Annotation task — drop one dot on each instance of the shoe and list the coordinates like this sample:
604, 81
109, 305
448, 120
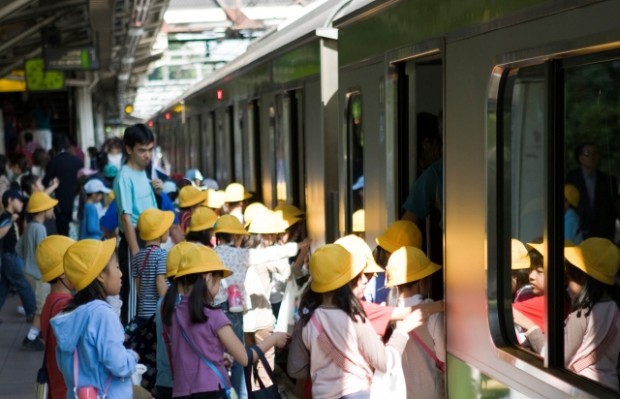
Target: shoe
21, 310
34, 344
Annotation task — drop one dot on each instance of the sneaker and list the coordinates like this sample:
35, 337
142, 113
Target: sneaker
34, 344
21, 310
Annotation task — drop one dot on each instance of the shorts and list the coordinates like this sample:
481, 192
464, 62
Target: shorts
41, 291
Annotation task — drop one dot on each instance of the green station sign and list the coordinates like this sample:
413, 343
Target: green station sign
72, 58
38, 78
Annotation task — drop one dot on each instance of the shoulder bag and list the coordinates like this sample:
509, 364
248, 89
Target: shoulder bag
270, 392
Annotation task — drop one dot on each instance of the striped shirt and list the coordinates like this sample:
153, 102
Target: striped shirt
148, 263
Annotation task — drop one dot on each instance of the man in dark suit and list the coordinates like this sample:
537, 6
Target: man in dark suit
64, 166
598, 192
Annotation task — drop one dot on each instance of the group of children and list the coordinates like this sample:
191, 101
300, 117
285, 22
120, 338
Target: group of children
591, 307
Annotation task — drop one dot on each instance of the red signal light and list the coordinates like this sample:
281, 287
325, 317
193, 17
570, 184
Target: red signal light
167, 116
150, 124
219, 94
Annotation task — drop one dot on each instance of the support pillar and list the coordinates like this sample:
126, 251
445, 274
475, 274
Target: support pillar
86, 130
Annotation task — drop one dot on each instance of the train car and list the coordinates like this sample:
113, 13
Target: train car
323, 114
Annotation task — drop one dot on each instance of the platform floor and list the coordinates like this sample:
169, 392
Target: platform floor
18, 367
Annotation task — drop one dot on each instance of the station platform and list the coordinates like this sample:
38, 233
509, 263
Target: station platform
18, 367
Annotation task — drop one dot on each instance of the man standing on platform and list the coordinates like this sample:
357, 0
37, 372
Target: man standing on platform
133, 194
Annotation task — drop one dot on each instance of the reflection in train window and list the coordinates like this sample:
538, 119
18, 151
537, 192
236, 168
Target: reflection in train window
355, 157
251, 151
558, 154
287, 135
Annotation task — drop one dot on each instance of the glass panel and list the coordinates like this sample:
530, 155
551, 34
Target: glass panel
522, 177
355, 158
591, 206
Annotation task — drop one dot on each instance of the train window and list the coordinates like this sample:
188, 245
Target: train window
252, 150
555, 163
286, 139
355, 157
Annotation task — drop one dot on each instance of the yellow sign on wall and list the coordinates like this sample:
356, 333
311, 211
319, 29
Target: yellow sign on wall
14, 82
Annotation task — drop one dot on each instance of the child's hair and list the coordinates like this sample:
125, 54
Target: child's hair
27, 182
138, 134
40, 157
536, 259
19, 160
92, 292
198, 299
593, 291
522, 277
344, 299
202, 236
381, 256
225, 238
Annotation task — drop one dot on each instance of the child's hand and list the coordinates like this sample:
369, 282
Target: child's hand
281, 339
413, 321
14, 217
228, 360
54, 183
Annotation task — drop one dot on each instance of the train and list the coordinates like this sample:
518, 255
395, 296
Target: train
322, 114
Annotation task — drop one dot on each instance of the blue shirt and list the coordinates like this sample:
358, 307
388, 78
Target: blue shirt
109, 220
89, 227
134, 194
427, 191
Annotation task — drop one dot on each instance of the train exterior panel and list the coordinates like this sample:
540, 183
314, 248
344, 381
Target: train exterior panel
327, 107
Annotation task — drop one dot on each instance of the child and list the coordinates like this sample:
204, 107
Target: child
163, 383
149, 272
401, 233
534, 308
49, 256
520, 264
89, 334
591, 345
425, 354
40, 208
190, 199
11, 270
572, 229
235, 197
332, 343
198, 331
90, 227
200, 227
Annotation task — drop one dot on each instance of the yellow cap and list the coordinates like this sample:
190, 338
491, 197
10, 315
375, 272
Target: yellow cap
202, 219
215, 199
331, 267
153, 223
174, 257
267, 223
597, 257
49, 254
40, 201
542, 248
289, 209
200, 259
252, 210
86, 259
359, 221
229, 224
519, 255
190, 196
408, 264
401, 233
235, 192
360, 251
572, 195
288, 219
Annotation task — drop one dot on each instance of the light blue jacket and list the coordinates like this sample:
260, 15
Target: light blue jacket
97, 333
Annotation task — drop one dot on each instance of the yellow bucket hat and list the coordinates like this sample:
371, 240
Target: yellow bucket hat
86, 259
267, 223
153, 223
597, 257
49, 255
359, 221
235, 192
361, 252
190, 196
200, 259
289, 209
229, 224
203, 219
408, 264
520, 259
40, 201
252, 210
331, 267
572, 195
174, 257
214, 199
401, 233
542, 248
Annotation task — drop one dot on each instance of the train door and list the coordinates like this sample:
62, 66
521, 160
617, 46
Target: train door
251, 151
208, 145
419, 112
286, 138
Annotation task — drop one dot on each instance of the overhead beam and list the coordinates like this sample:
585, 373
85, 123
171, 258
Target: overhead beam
12, 7
28, 32
30, 13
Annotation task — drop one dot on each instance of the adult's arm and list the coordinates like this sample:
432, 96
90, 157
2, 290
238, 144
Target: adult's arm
130, 234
